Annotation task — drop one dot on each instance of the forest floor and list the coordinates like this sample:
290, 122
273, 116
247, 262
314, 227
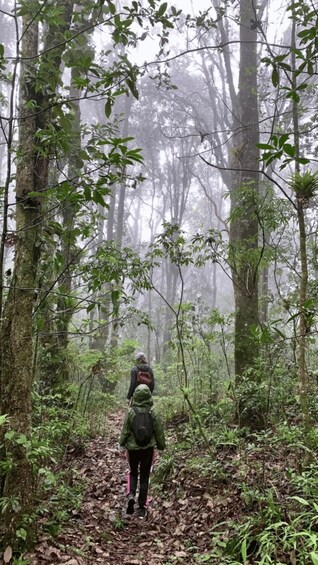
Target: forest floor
181, 514
101, 532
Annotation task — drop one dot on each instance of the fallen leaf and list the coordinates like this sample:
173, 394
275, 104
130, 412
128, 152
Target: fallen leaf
7, 556
167, 504
180, 554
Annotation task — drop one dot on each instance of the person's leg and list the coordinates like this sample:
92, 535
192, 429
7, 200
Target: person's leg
146, 456
133, 459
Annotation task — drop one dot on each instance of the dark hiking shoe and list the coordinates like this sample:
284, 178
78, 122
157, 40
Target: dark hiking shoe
130, 505
141, 512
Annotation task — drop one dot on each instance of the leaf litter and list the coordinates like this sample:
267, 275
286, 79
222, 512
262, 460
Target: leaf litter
180, 516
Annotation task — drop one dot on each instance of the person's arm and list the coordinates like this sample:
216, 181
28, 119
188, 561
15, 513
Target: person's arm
158, 431
133, 382
152, 385
125, 432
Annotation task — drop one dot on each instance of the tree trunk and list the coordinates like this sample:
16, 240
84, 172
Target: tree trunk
16, 328
244, 199
68, 245
300, 205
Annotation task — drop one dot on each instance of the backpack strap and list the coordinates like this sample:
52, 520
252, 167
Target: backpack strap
138, 411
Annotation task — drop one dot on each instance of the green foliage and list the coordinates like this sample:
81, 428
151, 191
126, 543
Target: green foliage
118, 524
116, 266
305, 185
201, 465
305, 17
266, 537
278, 148
163, 469
60, 501
276, 514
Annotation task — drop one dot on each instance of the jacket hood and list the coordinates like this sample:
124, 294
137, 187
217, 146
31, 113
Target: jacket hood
142, 395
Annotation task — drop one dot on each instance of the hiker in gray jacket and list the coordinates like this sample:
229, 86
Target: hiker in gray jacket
141, 367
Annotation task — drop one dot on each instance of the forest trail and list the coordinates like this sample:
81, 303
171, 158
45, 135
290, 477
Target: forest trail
176, 525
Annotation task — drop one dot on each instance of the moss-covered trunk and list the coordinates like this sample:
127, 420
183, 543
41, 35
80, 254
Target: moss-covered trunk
16, 333
16, 328
244, 199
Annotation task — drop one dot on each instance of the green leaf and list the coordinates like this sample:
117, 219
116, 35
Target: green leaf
22, 534
117, 21
3, 419
244, 550
108, 107
264, 146
115, 294
302, 160
279, 332
275, 77
98, 198
87, 193
283, 138
294, 96
301, 500
112, 7
289, 149
166, 23
162, 9
132, 88
314, 557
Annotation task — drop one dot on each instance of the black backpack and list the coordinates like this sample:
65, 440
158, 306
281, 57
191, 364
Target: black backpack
142, 426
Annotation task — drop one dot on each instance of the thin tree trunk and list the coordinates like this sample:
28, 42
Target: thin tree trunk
244, 200
300, 202
68, 245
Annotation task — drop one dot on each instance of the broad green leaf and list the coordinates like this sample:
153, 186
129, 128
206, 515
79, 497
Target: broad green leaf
264, 146
166, 23
289, 149
275, 77
112, 7
283, 138
162, 9
302, 160
98, 198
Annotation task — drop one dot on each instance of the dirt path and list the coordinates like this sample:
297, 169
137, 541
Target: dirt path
99, 533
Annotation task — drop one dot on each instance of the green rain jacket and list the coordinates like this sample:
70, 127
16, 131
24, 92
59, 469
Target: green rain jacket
142, 399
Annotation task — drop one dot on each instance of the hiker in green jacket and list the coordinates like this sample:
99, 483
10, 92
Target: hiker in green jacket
142, 431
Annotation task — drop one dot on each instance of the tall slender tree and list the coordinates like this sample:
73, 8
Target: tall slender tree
244, 256
31, 180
